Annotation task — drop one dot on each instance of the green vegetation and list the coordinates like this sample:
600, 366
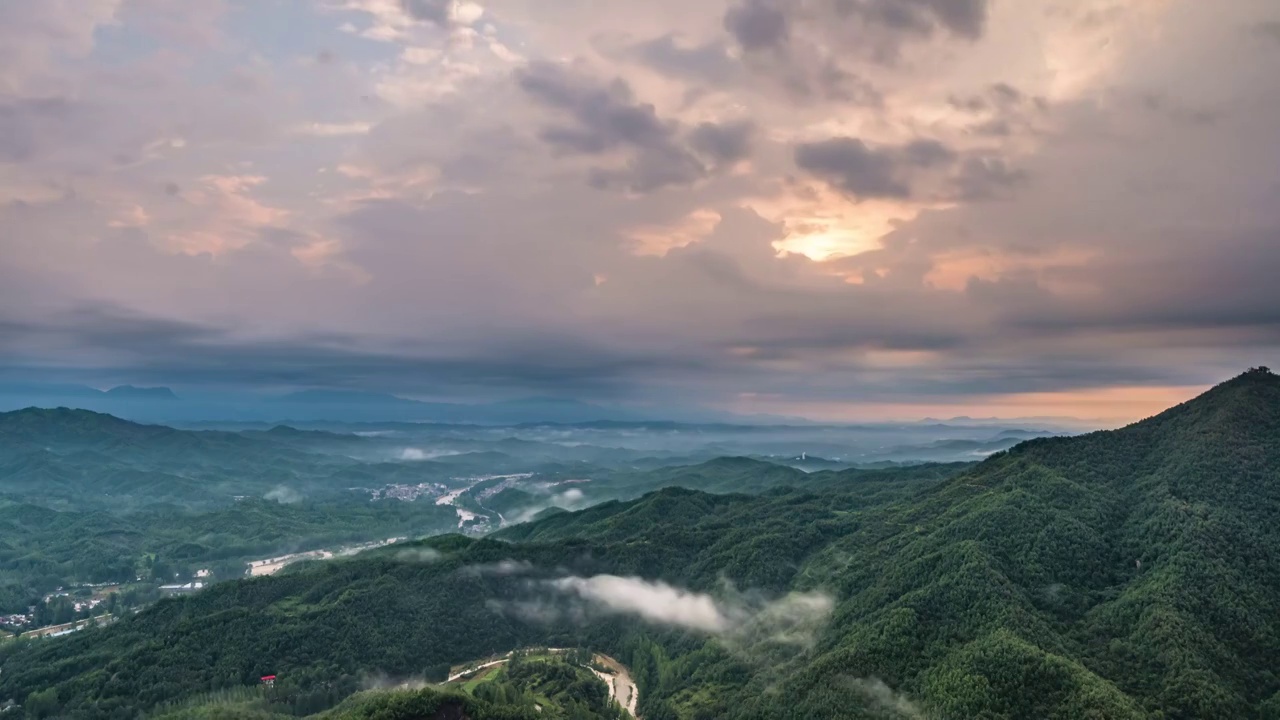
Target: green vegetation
529, 686
87, 498
553, 686
81, 460
424, 704
1122, 574
747, 475
42, 549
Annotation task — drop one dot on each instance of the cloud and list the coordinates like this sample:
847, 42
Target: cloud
607, 118
856, 168
884, 699
741, 621
563, 199
189, 353
503, 568
569, 498
921, 169
757, 24
284, 495
723, 144
709, 62
652, 601
438, 12
876, 28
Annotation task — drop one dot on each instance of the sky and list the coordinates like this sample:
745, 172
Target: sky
842, 209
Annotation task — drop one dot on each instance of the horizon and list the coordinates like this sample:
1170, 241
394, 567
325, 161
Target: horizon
750, 208
608, 413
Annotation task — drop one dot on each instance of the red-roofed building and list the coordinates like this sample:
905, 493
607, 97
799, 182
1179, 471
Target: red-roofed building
268, 680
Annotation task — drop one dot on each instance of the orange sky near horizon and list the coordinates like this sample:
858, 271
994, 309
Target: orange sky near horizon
1108, 407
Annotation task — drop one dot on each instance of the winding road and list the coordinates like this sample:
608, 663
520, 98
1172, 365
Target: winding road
621, 687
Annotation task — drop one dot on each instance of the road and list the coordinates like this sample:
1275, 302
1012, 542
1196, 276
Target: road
621, 687
68, 628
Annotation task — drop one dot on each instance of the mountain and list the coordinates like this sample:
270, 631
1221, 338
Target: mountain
1050, 422
1125, 574
51, 390
163, 405
78, 458
534, 687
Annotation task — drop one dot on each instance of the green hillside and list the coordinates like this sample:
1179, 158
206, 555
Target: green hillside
1121, 574
78, 460
43, 549
530, 685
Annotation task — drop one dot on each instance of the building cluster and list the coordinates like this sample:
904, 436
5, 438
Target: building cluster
15, 621
407, 493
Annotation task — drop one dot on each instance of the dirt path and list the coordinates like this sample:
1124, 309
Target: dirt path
459, 675
621, 686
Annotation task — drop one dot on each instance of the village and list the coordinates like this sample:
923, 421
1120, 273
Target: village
73, 608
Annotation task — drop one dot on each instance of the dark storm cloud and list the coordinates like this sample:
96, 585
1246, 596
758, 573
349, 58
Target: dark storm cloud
811, 50
854, 167
767, 24
757, 24
711, 68
171, 351
927, 153
900, 171
437, 12
606, 117
726, 143
966, 18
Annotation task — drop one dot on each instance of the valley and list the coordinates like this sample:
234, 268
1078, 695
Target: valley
1090, 576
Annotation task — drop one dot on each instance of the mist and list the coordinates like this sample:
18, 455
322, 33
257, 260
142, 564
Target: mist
284, 495
743, 622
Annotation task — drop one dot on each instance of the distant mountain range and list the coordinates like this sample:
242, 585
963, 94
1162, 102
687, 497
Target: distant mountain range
160, 404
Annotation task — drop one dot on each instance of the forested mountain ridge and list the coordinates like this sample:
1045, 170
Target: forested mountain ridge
1123, 574
1137, 565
